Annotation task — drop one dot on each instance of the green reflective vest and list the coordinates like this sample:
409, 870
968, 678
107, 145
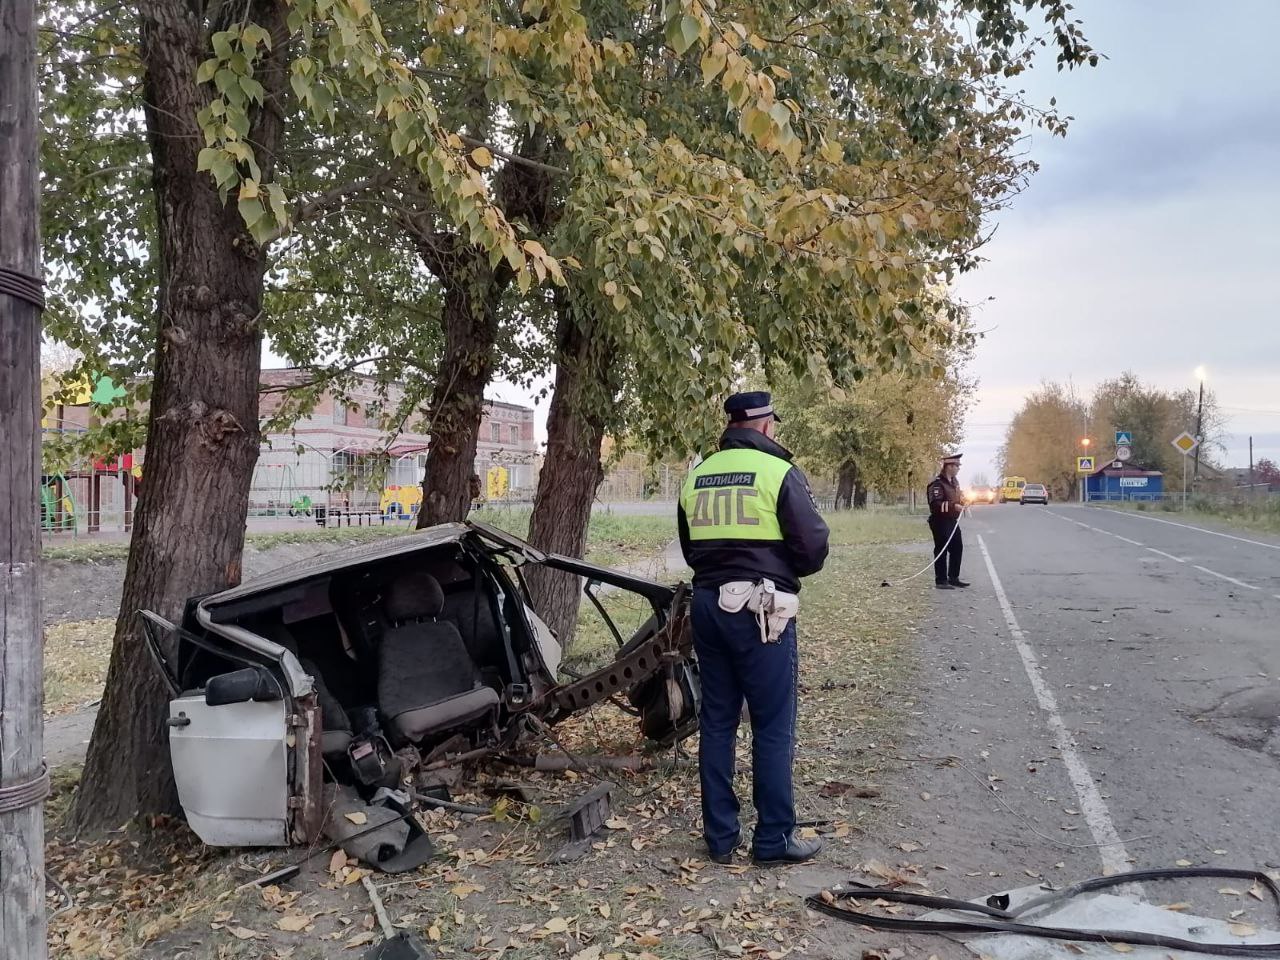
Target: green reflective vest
733, 495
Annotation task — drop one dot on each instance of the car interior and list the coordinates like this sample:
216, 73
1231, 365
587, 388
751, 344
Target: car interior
407, 651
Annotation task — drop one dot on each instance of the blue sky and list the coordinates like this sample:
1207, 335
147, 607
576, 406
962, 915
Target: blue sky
1148, 241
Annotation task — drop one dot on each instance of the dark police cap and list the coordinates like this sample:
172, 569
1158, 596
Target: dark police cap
750, 406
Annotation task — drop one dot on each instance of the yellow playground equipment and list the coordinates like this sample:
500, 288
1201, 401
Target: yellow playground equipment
402, 503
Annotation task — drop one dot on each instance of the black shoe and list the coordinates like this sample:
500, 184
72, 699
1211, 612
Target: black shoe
957, 582
797, 850
944, 586
727, 857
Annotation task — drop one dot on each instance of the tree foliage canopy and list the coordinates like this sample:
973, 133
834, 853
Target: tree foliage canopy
727, 181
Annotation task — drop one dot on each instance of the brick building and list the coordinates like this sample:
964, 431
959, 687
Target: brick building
339, 455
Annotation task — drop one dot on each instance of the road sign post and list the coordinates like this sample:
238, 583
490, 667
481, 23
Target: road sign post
1084, 467
1185, 444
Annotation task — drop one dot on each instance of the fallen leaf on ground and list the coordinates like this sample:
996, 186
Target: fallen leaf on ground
1242, 929
1121, 948
1255, 892
556, 925
244, 933
360, 939
359, 819
337, 861
590, 953
1183, 863
1175, 907
294, 922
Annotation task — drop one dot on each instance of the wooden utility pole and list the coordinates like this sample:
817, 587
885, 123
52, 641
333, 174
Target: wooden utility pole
24, 781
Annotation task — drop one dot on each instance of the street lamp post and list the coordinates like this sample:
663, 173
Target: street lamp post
1200, 375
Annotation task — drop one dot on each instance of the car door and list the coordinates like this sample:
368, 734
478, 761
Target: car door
229, 740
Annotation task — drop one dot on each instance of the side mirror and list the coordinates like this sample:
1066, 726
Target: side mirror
241, 686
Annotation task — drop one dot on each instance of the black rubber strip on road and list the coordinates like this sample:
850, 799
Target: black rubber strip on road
999, 919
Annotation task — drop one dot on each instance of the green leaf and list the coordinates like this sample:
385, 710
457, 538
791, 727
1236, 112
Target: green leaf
251, 211
683, 32
206, 70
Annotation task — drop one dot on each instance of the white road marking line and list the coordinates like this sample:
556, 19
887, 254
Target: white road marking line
1127, 540
1214, 533
1223, 576
1169, 556
1115, 859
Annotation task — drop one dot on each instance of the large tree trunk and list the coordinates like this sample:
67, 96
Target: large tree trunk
473, 293
202, 435
571, 471
22, 906
846, 481
473, 290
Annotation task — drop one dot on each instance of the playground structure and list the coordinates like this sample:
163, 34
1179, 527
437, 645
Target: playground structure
90, 497
401, 502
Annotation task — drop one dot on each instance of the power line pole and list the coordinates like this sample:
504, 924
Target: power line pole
24, 781
1199, 428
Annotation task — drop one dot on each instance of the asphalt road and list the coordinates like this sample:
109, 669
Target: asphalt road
1104, 697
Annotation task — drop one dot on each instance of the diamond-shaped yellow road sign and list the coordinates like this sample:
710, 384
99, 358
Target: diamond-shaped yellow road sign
1185, 442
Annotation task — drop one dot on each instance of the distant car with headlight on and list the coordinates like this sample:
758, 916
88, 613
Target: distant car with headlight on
980, 495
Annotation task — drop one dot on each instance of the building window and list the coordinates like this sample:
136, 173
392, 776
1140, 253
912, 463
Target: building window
339, 413
495, 432
515, 434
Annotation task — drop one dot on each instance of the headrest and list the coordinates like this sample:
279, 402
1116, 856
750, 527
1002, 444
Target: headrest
414, 596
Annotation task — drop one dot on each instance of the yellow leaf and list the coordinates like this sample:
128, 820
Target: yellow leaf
556, 925
590, 953
337, 861
433, 933
642, 226
1183, 863
248, 189
244, 933
1242, 929
611, 288
481, 157
294, 922
360, 939
1121, 948
359, 819
605, 910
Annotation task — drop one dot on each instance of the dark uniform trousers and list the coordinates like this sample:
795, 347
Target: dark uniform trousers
736, 666
946, 565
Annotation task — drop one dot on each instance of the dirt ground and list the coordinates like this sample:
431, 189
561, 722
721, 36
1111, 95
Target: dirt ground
644, 891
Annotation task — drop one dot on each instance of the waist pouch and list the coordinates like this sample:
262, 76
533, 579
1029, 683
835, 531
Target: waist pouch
773, 608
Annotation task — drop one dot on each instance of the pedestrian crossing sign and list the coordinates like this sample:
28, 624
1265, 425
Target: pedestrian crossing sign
1084, 464
1124, 438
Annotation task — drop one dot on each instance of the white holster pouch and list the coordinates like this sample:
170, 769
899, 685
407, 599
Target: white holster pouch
773, 608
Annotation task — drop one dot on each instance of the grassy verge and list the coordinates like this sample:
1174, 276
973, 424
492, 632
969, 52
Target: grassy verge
1262, 515
75, 663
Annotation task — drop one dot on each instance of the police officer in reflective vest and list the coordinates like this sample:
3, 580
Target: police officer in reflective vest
946, 503
750, 530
